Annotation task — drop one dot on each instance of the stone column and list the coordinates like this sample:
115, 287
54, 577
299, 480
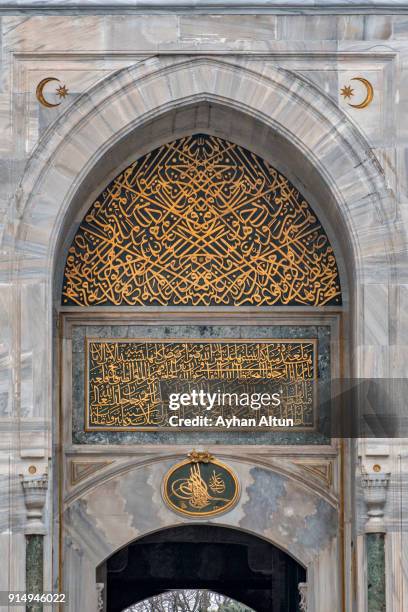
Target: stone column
35, 493
375, 484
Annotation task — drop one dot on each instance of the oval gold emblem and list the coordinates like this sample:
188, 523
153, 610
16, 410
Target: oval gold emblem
200, 488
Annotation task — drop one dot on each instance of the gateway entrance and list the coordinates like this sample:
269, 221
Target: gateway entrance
226, 561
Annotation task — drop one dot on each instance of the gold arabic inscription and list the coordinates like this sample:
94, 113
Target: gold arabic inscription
123, 377
201, 221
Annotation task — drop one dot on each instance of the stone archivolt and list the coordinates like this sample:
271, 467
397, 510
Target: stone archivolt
201, 221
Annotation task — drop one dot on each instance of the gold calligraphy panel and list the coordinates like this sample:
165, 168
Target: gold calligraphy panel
123, 378
201, 221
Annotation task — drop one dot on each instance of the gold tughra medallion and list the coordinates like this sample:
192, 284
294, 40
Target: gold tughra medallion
200, 486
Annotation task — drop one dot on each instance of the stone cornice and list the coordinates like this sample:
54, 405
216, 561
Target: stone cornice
288, 7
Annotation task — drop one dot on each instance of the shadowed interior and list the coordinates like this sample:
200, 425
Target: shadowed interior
227, 561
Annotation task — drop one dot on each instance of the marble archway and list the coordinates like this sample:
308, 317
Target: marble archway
293, 109
313, 136
150, 101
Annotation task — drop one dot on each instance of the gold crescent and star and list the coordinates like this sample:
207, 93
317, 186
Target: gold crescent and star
61, 91
347, 92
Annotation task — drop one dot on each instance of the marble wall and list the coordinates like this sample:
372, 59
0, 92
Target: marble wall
269, 81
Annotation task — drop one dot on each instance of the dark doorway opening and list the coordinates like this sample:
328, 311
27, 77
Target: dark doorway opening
228, 561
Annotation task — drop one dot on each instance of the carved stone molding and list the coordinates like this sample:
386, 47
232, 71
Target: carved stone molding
99, 591
209, 6
35, 494
82, 469
323, 470
375, 486
302, 586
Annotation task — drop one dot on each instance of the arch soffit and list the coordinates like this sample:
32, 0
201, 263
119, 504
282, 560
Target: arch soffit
100, 118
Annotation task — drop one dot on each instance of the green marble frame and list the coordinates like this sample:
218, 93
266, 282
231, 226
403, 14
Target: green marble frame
222, 317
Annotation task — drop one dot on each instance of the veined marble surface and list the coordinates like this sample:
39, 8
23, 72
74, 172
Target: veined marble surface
271, 81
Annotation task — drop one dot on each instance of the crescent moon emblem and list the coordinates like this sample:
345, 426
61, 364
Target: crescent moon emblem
369, 95
39, 92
